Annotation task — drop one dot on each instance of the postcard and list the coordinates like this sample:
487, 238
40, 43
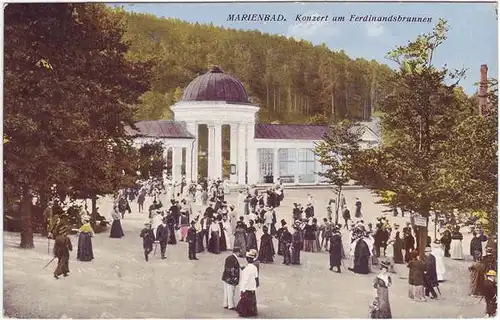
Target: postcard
250, 159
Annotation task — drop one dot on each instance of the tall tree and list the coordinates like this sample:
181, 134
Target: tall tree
419, 116
336, 151
470, 164
69, 91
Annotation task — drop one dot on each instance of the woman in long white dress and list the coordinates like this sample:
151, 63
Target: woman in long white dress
156, 220
228, 233
197, 194
241, 203
456, 249
438, 253
171, 190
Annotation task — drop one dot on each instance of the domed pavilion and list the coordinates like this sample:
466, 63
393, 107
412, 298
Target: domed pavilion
260, 153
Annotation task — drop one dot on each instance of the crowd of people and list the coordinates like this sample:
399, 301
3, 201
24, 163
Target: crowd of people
201, 216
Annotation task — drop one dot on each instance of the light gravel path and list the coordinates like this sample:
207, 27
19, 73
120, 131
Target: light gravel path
120, 284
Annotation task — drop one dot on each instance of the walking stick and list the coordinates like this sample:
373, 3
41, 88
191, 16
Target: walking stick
48, 245
49, 263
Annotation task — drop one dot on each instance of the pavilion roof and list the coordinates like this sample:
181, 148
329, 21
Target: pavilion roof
290, 131
160, 129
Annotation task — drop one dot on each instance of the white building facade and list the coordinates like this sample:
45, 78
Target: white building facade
259, 153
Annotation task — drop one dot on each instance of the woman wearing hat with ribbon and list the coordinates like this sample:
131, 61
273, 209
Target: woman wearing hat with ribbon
116, 226
247, 306
85, 234
381, 307
62, 247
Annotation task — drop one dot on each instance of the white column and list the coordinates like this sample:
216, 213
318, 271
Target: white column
189, 162
218, 151
253, 161
177, 164
276, 166
211, 151
242, 144
193, 129
165, 156
296, 166
233, 149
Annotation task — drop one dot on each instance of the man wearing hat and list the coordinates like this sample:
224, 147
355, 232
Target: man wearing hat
231, 278
296, 244
279, 235
297, 212
148, 238
430, 274
247, 306
490, 293
191, 240
309, 211
162, 237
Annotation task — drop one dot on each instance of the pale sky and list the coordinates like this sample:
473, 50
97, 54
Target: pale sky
472, 39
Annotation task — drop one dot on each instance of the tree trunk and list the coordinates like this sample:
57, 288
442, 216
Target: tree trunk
274, 98
422, 243
435, 225
44, 200
267, 93
337, 205
26, 227
93, 214
333, 106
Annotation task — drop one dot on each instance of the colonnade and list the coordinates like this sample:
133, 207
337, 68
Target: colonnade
242, 147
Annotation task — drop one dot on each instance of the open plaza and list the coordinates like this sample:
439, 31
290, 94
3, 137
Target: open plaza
118, 283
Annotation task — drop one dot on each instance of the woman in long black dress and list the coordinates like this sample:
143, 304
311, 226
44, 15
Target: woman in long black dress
222, 240
171, 222
251, 237
116, 226
85, 234
398, 249
266, 252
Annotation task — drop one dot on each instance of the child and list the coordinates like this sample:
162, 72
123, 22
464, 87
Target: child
490, 293
148, 238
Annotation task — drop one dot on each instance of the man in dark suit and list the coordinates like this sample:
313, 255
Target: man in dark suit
231, 278
162, 237
191, 240
205, 222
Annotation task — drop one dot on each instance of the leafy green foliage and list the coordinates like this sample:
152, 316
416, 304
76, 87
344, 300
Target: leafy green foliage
68, 93
152, 161
469, 165
418, 118
336, 152
290, 80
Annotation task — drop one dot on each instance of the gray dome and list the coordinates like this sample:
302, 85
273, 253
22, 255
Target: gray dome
215, 85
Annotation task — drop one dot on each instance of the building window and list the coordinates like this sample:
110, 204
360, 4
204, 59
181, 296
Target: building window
265, 165
287, 159
306, 166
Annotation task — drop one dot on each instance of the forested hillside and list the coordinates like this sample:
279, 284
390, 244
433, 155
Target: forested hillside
292, 81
